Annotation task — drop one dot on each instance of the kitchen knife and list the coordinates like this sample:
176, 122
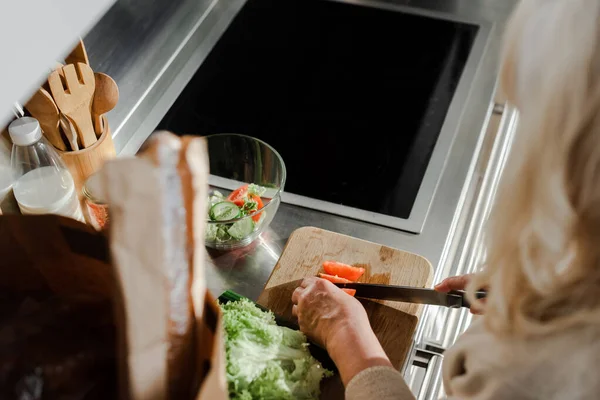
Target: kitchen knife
407, 294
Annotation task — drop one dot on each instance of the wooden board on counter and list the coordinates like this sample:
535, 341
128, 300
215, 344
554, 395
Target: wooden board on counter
394, 323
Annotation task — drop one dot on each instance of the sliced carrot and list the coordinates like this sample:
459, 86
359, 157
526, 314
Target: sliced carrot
351, 292
334, 278
343, 270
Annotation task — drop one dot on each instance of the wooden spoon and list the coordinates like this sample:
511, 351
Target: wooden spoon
43, 108
106, 97
75, 101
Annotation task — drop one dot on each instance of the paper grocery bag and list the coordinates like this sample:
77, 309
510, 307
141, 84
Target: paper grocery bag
211, 353
55, 282
72, 260
130, 269
54, 254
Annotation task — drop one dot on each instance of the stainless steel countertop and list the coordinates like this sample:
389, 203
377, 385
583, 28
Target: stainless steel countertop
153, 48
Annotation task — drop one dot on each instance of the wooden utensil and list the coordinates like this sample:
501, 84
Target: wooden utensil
70, 132
86, 161
75, 101
43, 108
394, 323
78, 55
106, 97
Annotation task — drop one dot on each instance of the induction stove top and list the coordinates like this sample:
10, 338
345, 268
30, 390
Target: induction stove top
354, 98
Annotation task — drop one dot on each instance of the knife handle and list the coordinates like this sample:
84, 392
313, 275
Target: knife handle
480, 294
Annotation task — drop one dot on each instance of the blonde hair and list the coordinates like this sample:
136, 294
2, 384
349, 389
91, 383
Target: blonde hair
543, 242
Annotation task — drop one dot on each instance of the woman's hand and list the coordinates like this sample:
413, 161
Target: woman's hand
453, 283
340, 323
324, 311
456, 283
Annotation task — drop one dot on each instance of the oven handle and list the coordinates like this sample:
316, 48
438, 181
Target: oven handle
489, 187
471, 254
429, 383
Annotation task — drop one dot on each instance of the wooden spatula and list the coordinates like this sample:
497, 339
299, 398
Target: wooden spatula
43, 108
75, 101
69, 132
106, 97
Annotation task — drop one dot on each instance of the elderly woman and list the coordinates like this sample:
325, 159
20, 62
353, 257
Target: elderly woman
539, 337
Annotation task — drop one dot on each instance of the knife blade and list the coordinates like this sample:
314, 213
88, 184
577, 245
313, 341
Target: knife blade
408, 294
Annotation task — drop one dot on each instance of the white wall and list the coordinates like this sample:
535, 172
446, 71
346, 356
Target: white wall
35, 33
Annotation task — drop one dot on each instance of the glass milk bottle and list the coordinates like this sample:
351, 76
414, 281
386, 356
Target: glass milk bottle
43, 184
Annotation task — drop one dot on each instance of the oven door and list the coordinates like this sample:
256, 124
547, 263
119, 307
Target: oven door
363, 100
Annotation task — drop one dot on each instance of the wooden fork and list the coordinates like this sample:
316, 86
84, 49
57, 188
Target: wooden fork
75, 101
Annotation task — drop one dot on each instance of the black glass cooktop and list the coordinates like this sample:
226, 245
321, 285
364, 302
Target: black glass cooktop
352, 97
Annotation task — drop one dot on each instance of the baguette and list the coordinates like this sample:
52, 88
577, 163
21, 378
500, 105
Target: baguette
157, 202
180, 162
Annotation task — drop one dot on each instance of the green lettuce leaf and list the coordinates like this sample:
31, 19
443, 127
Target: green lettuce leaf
267, 361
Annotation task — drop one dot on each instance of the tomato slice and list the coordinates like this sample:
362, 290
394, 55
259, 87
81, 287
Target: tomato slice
343, 270
351, 292
237, 196
256, 217
334, 278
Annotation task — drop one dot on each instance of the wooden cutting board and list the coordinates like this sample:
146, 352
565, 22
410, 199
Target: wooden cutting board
394, 323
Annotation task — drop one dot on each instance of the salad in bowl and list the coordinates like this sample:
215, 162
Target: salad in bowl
241, 203
246, 180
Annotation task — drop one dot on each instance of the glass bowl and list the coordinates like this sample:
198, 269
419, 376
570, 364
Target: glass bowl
237, 161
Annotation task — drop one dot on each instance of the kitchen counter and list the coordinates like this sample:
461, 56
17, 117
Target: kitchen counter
153, 49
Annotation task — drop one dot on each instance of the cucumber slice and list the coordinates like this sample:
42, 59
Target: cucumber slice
242, 228
224, 211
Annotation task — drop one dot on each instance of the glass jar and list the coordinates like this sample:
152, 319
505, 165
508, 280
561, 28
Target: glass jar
43, 184
96, 207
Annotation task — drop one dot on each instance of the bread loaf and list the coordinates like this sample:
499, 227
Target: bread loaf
160, 197
163, 150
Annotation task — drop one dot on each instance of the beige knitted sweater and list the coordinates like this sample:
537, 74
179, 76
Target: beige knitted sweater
480, 366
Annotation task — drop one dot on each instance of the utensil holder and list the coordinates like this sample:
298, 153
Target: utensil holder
83, 163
